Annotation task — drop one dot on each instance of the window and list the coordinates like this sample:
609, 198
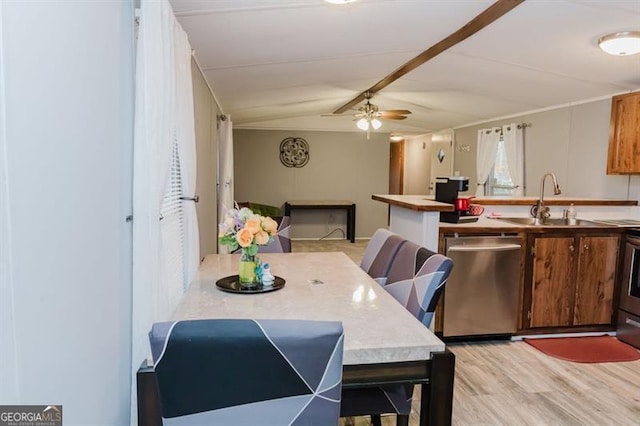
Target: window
499, 182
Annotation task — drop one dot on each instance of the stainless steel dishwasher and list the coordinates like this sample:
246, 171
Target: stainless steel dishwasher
481, 294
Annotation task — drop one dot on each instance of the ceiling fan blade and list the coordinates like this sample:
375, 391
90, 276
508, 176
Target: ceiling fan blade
395, 111
393, 117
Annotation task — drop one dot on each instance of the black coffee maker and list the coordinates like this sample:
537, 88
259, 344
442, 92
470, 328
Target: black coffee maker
448, 191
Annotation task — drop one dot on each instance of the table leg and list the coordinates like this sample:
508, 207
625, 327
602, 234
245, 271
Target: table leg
351, 223
148, 399
436, 401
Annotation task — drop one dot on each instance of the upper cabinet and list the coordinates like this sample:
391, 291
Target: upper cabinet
624, 135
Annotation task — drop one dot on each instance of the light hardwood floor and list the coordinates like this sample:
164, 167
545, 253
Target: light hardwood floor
511, 383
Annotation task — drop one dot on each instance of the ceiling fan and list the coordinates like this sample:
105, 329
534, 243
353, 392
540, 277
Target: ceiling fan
368, 116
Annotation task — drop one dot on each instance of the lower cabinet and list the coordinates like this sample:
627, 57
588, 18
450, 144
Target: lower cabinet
571, 280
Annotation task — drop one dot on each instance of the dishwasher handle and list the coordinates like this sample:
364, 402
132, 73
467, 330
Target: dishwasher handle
479, 247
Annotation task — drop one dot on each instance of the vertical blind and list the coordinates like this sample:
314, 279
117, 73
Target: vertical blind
172, 229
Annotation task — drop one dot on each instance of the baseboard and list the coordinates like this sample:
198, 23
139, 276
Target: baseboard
546, 336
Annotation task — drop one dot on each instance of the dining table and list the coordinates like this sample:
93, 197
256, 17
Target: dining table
383, 343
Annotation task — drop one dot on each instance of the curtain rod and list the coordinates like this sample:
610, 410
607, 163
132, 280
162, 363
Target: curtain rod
195, 59
499, 129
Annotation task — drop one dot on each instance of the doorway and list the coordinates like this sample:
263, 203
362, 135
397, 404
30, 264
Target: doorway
396, 167
396, 171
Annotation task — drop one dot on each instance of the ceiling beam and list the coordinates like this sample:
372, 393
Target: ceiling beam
489, 15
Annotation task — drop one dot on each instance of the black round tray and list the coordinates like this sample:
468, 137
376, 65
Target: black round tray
232, 285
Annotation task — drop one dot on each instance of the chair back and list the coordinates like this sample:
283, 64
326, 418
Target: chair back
241, 371
373, 248
380, 267
282, 241
416, 279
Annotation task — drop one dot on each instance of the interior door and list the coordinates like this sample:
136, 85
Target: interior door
396, 167
441, 160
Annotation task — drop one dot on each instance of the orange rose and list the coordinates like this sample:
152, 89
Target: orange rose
270, 225
253, 225
244, 237
262, 238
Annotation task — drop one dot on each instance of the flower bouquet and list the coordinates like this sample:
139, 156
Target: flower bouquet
243, 229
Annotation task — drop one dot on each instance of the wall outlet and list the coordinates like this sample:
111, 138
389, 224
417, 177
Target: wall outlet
332, 218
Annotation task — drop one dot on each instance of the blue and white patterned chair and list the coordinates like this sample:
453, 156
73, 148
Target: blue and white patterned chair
248, 372
373, 248
416, 279
379, 267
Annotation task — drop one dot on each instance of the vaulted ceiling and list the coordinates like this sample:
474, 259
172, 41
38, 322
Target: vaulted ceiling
282, 64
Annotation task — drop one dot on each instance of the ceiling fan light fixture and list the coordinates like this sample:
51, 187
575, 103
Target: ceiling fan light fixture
623, 43
363, 124
376, 123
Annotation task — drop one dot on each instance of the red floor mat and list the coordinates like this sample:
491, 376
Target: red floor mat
586, 349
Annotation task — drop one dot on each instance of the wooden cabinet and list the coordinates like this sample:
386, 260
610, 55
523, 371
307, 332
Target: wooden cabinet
572, 280
624, 135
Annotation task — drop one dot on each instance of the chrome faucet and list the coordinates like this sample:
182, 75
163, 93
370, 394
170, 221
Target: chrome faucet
541, 212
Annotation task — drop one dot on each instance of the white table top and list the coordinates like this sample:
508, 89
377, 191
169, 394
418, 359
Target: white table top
377, 328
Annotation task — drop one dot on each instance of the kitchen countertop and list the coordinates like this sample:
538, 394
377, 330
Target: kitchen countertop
427, 202
551, 200
492, 225
422, 203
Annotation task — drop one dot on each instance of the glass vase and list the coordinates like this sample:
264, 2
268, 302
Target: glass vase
247, 270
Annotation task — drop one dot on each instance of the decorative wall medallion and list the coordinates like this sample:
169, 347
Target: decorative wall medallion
294, 152
441, 155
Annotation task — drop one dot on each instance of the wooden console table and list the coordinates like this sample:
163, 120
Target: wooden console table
349, 206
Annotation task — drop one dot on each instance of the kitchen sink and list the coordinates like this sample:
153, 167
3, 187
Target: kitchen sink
531, 221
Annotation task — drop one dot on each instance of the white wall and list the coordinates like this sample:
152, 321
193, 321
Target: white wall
571, 142
205, 111
69, 99
342, 166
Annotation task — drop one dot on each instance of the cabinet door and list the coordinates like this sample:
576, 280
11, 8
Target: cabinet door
553, 287
596, 280
624, 134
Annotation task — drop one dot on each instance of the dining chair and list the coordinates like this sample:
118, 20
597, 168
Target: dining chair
416, 279
381, 264
373, 248
282, 241
248, 372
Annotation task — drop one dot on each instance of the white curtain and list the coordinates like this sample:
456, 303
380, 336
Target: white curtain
161, 45
225, 170
186, 137
487, 148
513, 136
10, 389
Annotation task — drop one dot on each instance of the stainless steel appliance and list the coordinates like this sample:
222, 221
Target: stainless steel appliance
629, 312
481, 294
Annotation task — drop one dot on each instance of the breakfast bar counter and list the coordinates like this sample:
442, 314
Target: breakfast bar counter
415, 217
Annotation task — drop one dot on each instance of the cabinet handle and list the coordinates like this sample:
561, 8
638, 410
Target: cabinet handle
586, 247
571, 248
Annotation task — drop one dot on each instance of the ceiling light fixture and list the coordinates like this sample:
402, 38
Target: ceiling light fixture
623, 43
366, 123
